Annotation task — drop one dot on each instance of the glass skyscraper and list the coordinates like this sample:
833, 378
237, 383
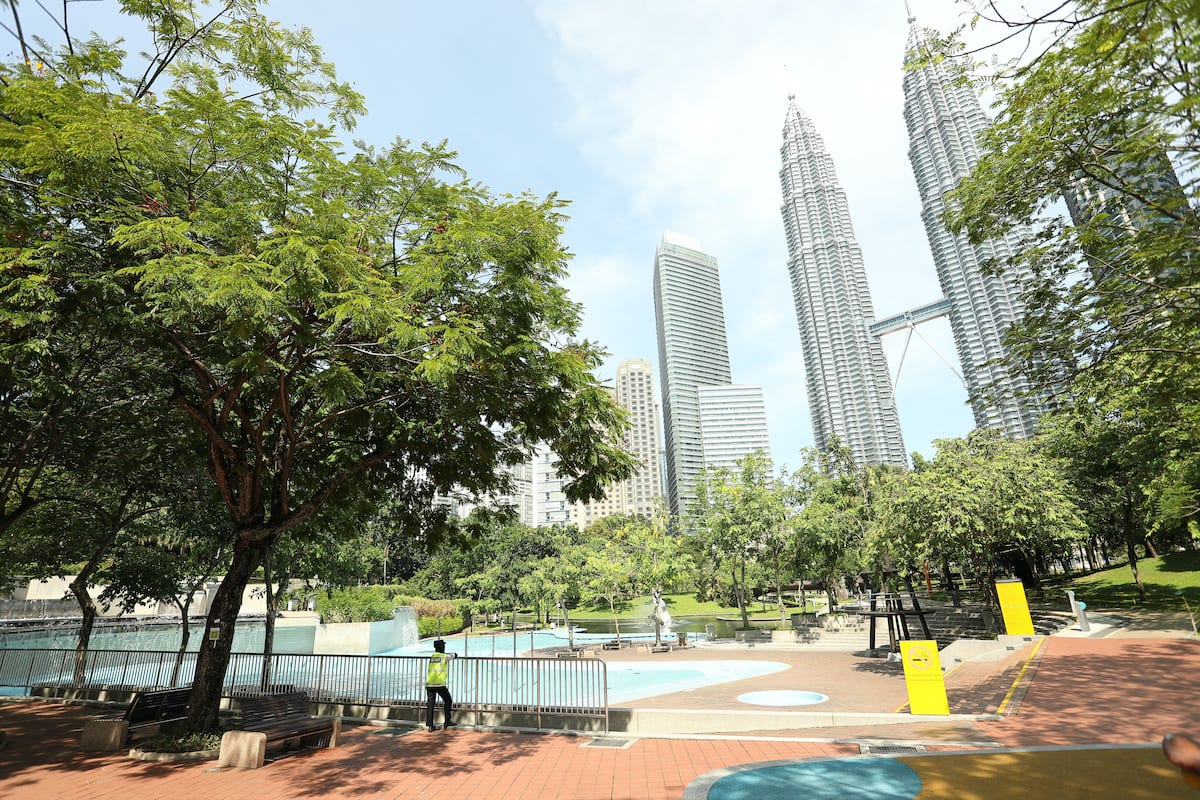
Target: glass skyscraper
849, 389
945, 121
692, 352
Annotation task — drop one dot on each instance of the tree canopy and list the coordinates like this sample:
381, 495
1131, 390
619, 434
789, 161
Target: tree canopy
983, 502
335, 326
1104, 113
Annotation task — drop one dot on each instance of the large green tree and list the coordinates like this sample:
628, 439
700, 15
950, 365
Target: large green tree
1105, 109
839, 505
336, 327
981, 502
737, 516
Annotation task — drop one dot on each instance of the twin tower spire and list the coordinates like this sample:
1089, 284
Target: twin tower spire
850, 391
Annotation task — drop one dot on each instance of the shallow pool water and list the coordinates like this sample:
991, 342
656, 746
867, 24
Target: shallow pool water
627, 680
635, 680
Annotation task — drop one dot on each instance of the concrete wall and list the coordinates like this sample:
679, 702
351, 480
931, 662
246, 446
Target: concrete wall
60, 588
366, 638
254, 600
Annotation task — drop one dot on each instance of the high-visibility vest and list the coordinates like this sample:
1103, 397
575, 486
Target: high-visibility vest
438, 673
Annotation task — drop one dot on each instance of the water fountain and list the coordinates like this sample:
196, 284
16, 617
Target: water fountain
405, 621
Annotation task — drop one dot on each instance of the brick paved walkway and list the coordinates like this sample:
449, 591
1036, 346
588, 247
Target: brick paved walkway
1078, 691
43, 761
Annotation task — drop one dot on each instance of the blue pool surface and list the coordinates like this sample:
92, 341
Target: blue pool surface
844, 779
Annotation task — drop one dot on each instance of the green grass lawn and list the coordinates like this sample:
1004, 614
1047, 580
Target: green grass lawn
680, 605
1163, 578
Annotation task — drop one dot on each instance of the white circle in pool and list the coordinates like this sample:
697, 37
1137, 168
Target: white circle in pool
782, 697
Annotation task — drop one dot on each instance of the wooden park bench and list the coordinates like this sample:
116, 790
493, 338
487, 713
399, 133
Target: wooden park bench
149, 709
275, 719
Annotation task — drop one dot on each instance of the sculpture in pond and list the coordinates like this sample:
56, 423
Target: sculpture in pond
660, 616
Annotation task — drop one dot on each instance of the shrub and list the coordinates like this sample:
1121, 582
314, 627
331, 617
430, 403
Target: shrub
180, 743
355, 604
433, 608
428, 626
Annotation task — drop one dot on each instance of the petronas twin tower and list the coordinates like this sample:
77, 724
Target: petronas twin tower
849, 389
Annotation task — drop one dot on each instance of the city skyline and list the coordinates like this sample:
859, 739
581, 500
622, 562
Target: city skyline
666, 117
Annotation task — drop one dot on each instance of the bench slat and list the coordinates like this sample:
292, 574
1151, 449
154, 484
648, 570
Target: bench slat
282, 717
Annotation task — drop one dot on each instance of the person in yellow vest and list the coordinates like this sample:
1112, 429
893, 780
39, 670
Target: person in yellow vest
437, 679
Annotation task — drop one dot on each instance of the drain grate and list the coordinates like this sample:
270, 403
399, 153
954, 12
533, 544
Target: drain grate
890, 749
610, 744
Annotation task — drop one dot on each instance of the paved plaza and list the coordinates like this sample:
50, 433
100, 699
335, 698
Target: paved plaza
1107, 700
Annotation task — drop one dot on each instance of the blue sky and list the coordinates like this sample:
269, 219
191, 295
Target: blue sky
667, 114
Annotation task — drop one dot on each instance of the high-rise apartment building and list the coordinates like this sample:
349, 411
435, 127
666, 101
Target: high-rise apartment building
634, 391
550, 504
733, 423
692, 352
849, 389
945, 120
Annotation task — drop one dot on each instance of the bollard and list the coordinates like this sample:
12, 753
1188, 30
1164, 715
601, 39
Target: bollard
1077, 608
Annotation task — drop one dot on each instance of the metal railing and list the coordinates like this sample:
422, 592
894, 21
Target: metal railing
575, 688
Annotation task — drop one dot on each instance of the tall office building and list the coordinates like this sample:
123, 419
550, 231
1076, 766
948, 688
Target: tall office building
849, 389
733, 423
944, 121
692, 352
634, 391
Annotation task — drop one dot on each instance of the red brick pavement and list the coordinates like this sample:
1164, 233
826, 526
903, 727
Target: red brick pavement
1106, 691
43, 762
1079, 691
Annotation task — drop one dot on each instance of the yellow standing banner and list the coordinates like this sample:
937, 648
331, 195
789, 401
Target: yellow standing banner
1014, 607
923, 678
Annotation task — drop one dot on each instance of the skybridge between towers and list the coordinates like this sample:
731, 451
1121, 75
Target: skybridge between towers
910, 318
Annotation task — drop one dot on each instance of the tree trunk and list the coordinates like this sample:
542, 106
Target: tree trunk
185, 635
1130, 540
1150, 551
779, 596
1034, 576
87, 608
79, 588
612, 604
269, 621
985, 576
213, 659
740, 592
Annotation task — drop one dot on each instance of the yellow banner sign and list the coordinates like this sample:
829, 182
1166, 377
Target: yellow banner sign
923, 677
1014, 607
